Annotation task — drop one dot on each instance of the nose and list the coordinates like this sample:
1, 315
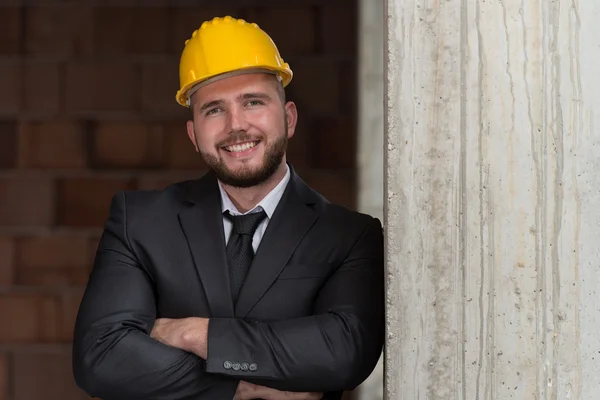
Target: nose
237, 120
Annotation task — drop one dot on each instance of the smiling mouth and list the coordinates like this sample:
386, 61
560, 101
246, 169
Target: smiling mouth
236, 148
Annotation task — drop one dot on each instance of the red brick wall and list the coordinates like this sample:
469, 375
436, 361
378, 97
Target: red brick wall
87, 108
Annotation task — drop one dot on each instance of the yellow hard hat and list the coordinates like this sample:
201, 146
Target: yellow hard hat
225, 46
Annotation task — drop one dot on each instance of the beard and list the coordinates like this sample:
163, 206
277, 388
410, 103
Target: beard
246, 176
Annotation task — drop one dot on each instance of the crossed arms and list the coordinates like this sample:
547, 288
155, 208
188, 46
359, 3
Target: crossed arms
116, 355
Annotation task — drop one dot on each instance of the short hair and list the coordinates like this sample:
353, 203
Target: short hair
280, 91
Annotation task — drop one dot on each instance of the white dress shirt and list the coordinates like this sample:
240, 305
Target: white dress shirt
268, 204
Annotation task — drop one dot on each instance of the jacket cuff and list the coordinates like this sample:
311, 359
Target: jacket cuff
227, 354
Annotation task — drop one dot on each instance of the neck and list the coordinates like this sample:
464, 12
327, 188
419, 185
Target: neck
246, 199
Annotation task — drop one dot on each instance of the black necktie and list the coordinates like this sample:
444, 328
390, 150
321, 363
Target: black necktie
239, 248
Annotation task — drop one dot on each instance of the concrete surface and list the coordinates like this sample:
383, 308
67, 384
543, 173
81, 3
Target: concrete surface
492, 199
370, 138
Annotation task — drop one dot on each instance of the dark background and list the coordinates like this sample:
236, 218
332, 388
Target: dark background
87, 107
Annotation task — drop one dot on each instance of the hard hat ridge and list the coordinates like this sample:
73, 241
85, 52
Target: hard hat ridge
224, 47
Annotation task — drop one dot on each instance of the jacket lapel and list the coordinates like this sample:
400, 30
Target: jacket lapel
202, 225
291, 221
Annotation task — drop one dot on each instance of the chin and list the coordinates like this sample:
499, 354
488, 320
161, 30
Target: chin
247, 172
246, 176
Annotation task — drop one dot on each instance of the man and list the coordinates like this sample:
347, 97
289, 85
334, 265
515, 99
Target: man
245, 283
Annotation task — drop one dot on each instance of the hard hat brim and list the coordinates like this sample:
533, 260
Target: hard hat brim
184, 95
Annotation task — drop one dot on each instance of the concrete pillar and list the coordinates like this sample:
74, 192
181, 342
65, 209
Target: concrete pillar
492, 199
370, 137
370, 105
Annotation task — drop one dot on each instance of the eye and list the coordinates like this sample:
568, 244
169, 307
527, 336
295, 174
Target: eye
255, 102
213, 111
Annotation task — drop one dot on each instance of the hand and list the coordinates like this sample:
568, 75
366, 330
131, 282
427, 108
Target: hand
189, 334
249, 391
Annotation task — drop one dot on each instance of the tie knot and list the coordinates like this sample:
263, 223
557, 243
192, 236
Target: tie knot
245, 224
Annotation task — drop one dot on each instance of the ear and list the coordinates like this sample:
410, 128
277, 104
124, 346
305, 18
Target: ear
190, 132
292, 117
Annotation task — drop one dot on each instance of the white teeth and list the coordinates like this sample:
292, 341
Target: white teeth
241, 147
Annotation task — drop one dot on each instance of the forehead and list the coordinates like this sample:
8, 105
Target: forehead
236, 85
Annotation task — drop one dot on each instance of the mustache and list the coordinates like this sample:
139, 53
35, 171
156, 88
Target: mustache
237, 138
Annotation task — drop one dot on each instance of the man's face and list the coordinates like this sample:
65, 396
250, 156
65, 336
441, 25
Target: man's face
241, 128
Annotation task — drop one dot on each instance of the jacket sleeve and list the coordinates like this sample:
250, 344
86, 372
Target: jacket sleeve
114, 356
334, 349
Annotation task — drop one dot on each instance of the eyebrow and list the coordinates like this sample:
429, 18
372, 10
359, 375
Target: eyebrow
257, 95
245, 96
210, 104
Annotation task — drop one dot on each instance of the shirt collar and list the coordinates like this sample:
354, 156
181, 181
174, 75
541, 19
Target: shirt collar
268, 203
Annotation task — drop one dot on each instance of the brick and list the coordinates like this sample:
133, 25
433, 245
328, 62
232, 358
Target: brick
39, 318
41, 88
7, 261
46, 376
70, 303
49, 319
52, 144
27, 201
10, 94
8, 144
56, 2
10, 34
85, 202
186, 20
277, 21
127, 30
128, 144
53, 260
101, 86
339, 27
316, 86
93, 248
160, 82
24, 313
130, 3
333, 143
161, 182
58, 30
181, 152
4, 376
338, 186
55, 277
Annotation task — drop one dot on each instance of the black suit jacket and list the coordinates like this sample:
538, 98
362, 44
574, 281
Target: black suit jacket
310, 316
